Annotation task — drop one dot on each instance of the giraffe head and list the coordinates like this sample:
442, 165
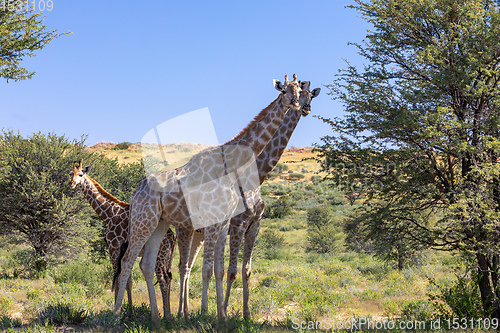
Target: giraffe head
291, 92
78, 173
306, 96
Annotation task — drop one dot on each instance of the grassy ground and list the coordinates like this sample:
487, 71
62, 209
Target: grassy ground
290, 289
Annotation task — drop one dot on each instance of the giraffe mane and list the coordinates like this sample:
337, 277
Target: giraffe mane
107, 195
254, 121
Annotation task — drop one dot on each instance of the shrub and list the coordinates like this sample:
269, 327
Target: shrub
270, 281
463, 298
418, 309
323, 235
278, 209
272, 239
78, 272
122, 146
63, 314
6, 321
285, 227
270, 244
295, 176
280, 168
6, 305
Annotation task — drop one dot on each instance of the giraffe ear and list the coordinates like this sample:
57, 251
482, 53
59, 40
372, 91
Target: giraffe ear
86, 169
315, 92
277, 85
304, 85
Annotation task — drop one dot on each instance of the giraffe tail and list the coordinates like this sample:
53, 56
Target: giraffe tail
123, 248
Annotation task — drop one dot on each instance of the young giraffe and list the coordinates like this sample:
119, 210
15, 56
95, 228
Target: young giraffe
116, 215
201, 191
247, 224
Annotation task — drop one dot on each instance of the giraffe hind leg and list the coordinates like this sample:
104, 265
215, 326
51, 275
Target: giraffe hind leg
250, 237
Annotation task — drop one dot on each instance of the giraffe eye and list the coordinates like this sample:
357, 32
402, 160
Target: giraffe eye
81, 175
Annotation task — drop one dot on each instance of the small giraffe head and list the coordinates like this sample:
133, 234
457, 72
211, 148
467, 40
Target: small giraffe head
306, 96
78, 173
291, 92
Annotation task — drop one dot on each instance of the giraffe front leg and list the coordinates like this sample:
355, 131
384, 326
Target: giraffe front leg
184, 241
250, 237
219, 269
147, 265
196, 244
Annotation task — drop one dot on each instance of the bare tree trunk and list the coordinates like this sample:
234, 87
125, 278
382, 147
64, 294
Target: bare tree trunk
488, 297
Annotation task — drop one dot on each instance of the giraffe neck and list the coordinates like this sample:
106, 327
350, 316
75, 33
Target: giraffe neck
258, 133
253, 139
103, 203
271, 154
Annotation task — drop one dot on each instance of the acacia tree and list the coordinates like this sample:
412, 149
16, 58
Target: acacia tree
38, 208
420, 138
21, 34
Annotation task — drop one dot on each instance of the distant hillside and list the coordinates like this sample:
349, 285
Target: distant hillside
127, 152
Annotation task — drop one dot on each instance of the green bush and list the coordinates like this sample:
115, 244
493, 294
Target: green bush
270, 245
78, 272
418, 309
6, 305
122, 146
6, 321
463, 298
270, 281
22, 263
280, 168
323, 235
278, 209
285, 227
295, 176
63, 314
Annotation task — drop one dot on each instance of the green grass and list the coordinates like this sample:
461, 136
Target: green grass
287, 283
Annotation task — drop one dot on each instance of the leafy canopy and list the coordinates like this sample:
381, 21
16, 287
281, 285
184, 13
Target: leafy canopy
22, 32
420, 138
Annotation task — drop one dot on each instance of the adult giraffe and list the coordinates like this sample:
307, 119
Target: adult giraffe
116, 215
201, 193
247, 224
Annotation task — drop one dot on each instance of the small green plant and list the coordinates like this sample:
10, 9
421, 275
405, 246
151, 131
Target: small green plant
270, 281
280, 168
6, 321
6, 305
63, 314
295, 176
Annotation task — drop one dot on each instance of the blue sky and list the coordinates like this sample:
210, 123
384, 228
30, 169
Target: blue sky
129, 66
